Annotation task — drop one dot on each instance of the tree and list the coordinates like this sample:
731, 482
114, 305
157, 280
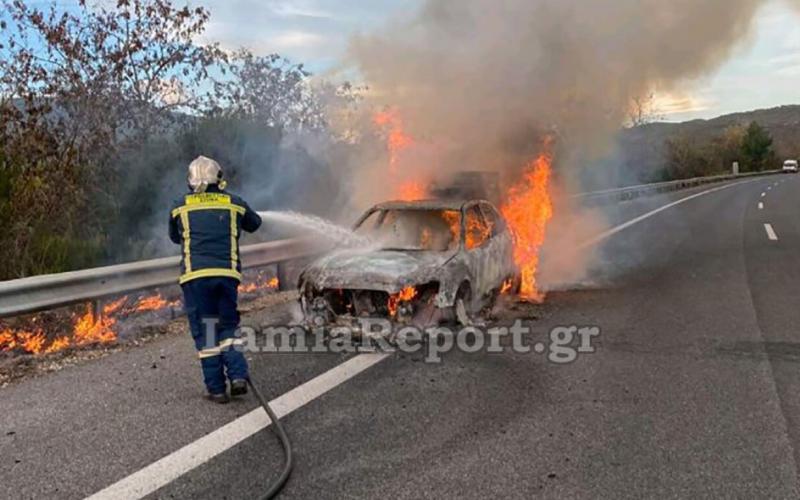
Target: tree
756, 147
104, 76
643, 110
101, 108
79, 91
728, 146
686, 159
269, 90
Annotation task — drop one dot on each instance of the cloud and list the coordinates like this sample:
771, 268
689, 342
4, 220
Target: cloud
314, 32
299, 9
679, 103
295, 40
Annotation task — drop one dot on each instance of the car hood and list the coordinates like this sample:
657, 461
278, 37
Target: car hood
387, 270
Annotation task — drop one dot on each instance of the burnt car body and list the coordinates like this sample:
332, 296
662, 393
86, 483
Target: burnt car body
432, 260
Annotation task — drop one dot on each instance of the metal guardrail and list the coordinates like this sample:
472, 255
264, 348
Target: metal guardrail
38, 293
49, 291
632, 192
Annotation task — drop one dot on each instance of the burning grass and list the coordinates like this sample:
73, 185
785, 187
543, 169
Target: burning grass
259, 284
53, 332
85, 328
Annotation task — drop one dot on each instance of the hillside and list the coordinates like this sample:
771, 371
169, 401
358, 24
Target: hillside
642, 153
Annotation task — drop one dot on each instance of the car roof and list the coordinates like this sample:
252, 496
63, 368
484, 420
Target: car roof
433, 204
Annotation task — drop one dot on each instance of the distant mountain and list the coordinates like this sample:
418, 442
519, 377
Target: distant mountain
642, 152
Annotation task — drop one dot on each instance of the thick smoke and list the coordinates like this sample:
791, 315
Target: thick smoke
483, 82
485, 79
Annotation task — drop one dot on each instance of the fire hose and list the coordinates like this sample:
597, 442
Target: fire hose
275, 487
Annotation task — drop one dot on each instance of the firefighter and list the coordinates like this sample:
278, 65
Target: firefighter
207, 222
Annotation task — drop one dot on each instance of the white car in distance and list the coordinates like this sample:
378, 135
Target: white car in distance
790, 166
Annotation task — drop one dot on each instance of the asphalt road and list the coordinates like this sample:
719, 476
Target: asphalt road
693, 391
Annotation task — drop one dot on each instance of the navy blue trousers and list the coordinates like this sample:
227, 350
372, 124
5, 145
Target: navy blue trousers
211, 306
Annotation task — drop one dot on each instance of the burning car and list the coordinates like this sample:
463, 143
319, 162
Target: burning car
427, 261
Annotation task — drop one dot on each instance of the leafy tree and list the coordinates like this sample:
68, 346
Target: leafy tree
102, 107
79, 91
757, 147
686, 159
728, 147
104, 75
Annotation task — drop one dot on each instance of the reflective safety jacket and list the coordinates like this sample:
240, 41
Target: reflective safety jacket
207, 226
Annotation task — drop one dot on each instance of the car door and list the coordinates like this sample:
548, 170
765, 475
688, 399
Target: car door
482, 249
501, 246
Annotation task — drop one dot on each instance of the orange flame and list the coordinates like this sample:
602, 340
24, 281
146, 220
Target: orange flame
87, 329
58, 344
113, 307
397, 141
453, 219
149, 303
411, 191
477, 232
403, 295
527, 210
32, 341
271, 284
91, 330
396, 138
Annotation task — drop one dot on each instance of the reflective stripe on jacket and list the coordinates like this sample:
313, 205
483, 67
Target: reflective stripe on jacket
207, 226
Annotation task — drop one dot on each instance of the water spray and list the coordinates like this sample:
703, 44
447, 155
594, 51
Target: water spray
329, 230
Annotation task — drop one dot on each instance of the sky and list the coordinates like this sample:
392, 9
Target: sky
764, 70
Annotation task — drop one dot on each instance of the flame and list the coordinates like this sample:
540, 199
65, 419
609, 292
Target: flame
271, 284
411, 191
396, 138
87, 329
527, 210
113, 307
32, 341
151, 303
477, 232
91, 330
8, 340
453, 219
58, 344
397, 141
403, 295
506, 288
29, 341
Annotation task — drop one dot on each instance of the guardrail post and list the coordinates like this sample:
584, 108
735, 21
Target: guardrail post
283, 276
735, 170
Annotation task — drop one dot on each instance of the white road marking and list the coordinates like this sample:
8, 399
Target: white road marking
174, 465
770, 232
761, 205
769, 188
611, 232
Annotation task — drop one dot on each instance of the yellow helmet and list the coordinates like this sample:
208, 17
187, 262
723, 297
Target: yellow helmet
204, 171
